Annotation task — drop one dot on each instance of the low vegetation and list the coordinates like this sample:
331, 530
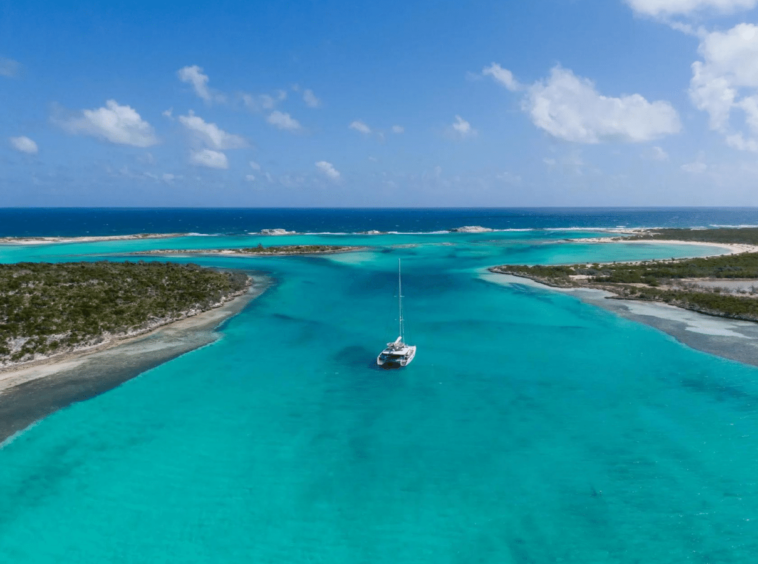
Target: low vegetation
745, 236
294, 249
47, 309
674, 282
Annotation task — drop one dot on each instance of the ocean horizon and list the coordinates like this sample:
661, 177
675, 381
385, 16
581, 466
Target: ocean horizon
78, 222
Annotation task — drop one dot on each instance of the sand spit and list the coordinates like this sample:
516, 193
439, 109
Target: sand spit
283, 251
727, 338
732, 248
94, 239
35, 390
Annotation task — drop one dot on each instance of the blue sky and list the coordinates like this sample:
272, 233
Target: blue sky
333, 103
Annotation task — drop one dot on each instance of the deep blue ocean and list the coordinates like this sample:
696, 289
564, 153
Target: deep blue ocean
531, 428
69, 222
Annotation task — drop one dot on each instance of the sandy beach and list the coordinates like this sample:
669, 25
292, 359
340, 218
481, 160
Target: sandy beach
93, 239
285, 251
34, 391
731, 248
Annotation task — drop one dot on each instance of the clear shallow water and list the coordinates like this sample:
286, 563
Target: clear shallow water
531, 427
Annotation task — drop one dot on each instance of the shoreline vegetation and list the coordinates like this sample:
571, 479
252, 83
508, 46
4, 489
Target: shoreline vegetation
721, 286
49, 310
259, 251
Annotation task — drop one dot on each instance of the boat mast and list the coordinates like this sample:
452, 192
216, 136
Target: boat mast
400, 298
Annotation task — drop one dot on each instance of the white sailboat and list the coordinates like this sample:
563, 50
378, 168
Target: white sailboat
398, 354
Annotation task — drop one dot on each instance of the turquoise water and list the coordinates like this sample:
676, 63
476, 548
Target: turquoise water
530, 428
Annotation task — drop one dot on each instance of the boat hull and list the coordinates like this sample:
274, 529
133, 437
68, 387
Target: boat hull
400, 362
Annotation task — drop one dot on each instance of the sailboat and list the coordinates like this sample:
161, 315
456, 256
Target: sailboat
398, 354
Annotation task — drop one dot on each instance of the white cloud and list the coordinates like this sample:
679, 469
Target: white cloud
284, 121
462, 128
695, 168
210, 134
24, 145
738, 141
9, 68
254, 165
121, 125
262, 102
310, 99
168, 178
398, 129
194, 76
209, 158
250, 177
360, 126
659, 154
663, 8
503, 76
168, 113
328, 170
727, 80
570, 108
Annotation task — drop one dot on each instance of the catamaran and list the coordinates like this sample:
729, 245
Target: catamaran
398, 354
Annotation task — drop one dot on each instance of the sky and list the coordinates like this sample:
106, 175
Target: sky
379, 104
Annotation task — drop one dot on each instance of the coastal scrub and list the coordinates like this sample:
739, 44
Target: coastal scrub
699, 284
47, 309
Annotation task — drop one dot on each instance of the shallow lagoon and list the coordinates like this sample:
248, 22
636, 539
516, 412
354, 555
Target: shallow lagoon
531, 427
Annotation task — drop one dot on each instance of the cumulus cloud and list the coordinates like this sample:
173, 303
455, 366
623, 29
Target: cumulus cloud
569, 107
502, 76
210, 134
250, 177
117, 124
194, 76
282, 120
663, 8
24, 145
254, 165
726, 80
398, 129
328, 170
209, 158
462, 128
310, 99
360, 126
9, 68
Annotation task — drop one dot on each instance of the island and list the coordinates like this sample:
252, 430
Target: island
47, 310
471, 229
276, 232
736, 240
723, 286
86, 239
259, 251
